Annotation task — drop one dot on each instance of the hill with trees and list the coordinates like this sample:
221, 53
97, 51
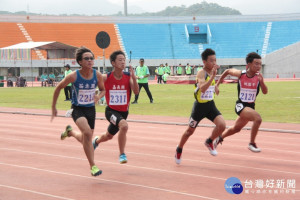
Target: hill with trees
198, 9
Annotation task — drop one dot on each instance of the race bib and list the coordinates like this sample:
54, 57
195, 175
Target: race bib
86, 96
247, 95
208, 94
117, 97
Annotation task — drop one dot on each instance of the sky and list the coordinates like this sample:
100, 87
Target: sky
106, 7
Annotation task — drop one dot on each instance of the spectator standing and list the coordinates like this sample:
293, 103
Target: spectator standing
142, 73
179, 70
167, 69
188, 69
68, 88
160, 73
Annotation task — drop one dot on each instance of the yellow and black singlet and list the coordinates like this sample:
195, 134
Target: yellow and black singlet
208, 95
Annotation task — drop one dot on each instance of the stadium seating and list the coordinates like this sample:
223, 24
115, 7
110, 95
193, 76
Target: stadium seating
146, 40
159, 41
10, 34
168, 41
74, 34
283, 33
235, 40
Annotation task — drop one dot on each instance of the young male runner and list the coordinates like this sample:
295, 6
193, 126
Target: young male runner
250, 80
84, 82
204, 105
118, 85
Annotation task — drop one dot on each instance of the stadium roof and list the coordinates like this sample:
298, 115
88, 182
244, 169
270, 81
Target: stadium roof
54, 50
41, 46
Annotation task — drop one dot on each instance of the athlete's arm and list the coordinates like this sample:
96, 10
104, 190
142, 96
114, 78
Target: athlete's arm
231, 72
101, 79
68, 79
263, 86
204, 85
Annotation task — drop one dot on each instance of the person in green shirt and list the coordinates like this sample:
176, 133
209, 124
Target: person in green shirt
51, 79
44, 79
198, 68
188, 69
164, 77
61, 76
179, 70
142, 73
160, 73
68, 88
167, 69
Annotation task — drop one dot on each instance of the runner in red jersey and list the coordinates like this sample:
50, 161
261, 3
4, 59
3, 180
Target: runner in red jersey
118, 85
250, 82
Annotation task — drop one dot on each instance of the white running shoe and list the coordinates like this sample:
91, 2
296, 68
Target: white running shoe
211, 148
252, 147
177, 158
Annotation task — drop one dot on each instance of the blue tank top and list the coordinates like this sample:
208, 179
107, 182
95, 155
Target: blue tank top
83, 92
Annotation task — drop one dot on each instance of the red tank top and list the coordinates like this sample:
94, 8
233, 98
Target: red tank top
118, 92
248, 88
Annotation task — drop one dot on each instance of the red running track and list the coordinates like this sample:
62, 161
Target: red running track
36, 164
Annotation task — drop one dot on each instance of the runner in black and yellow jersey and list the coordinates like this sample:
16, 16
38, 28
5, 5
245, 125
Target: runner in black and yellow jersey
204, 105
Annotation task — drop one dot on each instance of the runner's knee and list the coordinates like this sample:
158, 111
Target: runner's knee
123, 126
87, 134
257, 120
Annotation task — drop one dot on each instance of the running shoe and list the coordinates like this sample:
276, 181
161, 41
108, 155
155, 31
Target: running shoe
65, 134
95, 145
123, 158
252, 147
210, 147
217, 141
95, 171
177, 158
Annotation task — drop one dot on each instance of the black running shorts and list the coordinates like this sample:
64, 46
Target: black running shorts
114, 117
202, 110
239, 106
88, 112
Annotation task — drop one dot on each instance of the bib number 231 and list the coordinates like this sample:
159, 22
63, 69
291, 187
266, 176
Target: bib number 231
118, 97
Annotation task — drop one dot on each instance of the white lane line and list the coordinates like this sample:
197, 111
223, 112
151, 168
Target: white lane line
165, 157
45, 126
163, 123
149, 136
157, 146
127, 165
35, 192
187, 149
112, 181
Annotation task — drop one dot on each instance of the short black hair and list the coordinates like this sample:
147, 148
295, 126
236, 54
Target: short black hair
67, 66
80, 51
114, 55
206, 53
251, 56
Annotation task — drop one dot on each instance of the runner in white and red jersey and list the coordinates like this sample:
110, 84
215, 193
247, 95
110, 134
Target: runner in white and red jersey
118, 85
250, 82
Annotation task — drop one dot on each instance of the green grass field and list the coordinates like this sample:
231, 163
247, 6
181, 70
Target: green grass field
281, 104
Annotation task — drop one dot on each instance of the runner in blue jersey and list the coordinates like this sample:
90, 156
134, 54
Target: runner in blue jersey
84, 82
